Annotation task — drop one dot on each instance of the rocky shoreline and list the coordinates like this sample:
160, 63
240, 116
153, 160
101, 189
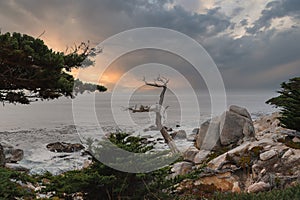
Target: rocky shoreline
261, 156
233, 153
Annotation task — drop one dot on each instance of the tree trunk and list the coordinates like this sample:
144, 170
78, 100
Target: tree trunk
161, 128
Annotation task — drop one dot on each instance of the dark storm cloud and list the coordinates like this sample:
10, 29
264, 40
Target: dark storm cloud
273, 10
248, 61
248, 57
107, 17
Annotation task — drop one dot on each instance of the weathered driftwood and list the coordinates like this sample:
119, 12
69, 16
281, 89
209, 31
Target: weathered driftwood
161, 82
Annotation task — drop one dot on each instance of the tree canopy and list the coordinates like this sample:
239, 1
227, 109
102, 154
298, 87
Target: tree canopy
30, 71
289, 102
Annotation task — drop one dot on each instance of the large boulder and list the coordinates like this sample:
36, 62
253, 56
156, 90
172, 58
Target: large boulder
231, 128
208, 135
240, 111
2, 156
235, 127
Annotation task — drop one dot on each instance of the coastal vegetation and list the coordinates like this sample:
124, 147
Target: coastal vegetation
30, 71
289, 103
101, 182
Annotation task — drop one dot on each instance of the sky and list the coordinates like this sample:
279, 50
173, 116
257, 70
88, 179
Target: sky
254, 43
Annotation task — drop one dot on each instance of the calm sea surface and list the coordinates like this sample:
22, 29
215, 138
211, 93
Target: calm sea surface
110, 112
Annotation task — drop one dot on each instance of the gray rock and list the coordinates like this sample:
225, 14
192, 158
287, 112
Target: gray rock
235, 128
11, 154
241, 111
181, 168
16, 167
267, 155
208, 136
258, 187
201, 156
296, 140
192, 137
287, 154
201, 133
2, 156
181, 134
190, 153
195, 131
14, 155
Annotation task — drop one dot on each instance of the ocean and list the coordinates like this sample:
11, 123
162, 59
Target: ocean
32, 127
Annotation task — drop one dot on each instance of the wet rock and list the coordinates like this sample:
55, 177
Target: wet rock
14, 156
16, 167
268, 155
64, 147
181, 134
11, 154
258, 187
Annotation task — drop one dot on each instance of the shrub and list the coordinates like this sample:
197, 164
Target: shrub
289, 102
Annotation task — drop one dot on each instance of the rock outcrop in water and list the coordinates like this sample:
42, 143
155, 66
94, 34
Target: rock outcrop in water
64, 147
11, 154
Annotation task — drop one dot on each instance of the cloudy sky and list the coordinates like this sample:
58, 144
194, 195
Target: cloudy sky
254, 43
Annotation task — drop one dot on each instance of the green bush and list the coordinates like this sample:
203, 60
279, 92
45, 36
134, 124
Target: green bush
9, 189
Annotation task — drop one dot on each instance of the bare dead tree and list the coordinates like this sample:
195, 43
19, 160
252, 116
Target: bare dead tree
161, 82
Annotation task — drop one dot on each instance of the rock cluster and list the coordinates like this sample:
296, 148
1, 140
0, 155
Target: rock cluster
258, 156
229, 130
64, 147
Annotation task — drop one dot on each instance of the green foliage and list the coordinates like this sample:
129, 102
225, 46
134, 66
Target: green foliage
9, 189
289, 102
102, 182
29, 70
